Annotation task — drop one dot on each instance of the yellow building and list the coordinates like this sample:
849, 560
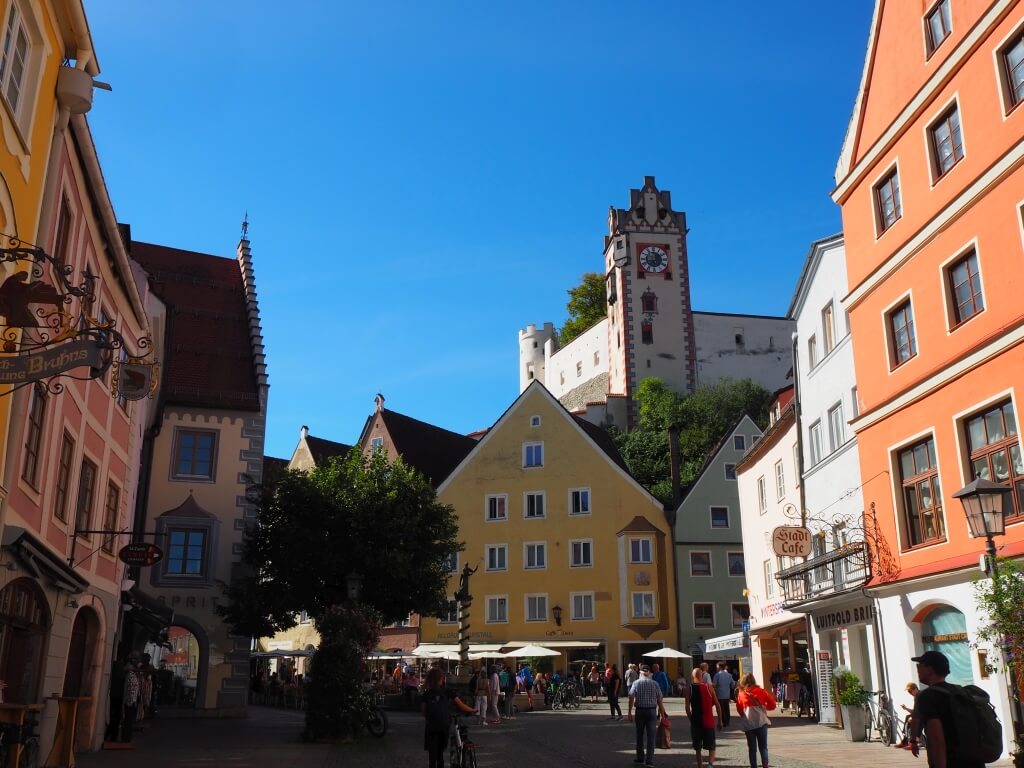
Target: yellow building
569, 547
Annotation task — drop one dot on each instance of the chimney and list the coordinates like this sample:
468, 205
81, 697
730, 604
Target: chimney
379, 402
303, 432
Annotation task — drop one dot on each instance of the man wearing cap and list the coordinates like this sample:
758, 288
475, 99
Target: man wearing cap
933, 714
645, 695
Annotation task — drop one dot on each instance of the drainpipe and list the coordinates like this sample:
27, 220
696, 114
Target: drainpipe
877, 623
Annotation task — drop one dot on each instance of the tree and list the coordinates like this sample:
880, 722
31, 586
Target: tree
1001, 603
587, 304
354, 515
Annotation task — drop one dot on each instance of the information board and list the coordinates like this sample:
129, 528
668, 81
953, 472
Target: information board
826, 702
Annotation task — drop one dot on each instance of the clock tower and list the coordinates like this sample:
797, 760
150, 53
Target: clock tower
650, 320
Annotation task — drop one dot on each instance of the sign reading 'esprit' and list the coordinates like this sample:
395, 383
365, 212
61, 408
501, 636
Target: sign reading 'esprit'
791, 541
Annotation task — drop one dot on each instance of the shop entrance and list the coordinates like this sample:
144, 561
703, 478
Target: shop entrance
177, 663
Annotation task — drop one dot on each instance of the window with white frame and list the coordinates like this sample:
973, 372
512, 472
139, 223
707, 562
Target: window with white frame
16, 62
730, 471
1011, 57
450, 614
938, 23
533, 504
780, 480
719, 517
814, 438
762, 495
536, 607
739, 442
497, 609
533, 454
704, 615
579, 501
828, 328
581, 553
737, 563
700, 563
836, 426
376, 444
535, 555
946, 139
582, 606
496, 506
535, 421
769, 582
740, 615
643, 605
497, 557
640, 551
888, 206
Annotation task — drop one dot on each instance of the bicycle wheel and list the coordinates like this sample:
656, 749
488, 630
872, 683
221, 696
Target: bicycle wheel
453, 753
469, 756
884, 728
867, 722
377, 722
556, 703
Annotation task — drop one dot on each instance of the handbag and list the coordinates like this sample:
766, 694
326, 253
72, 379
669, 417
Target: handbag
755, 717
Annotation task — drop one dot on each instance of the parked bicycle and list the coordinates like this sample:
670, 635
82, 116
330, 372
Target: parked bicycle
11, 736
878, 717
567, 696
461, 750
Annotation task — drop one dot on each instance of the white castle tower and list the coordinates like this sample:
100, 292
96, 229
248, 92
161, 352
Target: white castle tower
534, 348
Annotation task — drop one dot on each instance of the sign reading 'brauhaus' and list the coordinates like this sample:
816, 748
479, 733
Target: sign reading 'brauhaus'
21, 369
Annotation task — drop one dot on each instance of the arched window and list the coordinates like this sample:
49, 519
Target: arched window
944, 629
24, 619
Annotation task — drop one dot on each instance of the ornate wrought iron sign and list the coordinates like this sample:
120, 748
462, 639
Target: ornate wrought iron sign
49, 327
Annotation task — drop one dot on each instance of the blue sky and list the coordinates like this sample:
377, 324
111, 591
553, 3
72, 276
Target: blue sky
424, 179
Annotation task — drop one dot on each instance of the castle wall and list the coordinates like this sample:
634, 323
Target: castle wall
743, 347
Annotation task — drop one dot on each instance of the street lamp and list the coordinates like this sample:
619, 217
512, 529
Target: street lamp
556, 612
983, 502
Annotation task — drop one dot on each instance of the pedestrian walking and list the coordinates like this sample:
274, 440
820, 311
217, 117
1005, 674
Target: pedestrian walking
752, 705
478, 690
493, 691
658, 676
646, 698
725, 686
614, 685
934, 717
594, 682
705, 715
629, 677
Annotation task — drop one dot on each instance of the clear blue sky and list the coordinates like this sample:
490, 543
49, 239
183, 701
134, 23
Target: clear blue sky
424, 179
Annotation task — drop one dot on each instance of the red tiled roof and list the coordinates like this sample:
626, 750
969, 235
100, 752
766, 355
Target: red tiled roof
209, 362
432, 450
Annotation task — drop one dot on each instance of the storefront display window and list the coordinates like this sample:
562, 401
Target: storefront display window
24, 618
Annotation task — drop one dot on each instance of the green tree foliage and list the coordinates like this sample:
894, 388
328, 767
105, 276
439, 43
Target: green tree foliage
354, 515
702, 418
1001, 600
587, 304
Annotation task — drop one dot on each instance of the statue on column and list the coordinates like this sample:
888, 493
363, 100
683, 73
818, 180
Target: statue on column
463, 595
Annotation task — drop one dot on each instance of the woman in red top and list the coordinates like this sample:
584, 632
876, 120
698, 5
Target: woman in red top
753, 703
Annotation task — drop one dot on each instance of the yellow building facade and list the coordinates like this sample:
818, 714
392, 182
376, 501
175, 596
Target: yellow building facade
568, 547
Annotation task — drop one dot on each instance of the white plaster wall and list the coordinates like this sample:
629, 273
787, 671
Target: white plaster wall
560, 367
764, 357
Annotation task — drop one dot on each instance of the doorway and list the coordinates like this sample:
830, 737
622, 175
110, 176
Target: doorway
177, 663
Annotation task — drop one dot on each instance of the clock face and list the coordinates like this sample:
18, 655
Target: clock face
653, 259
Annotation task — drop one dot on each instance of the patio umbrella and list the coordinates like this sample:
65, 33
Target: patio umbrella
667, 653
531, 650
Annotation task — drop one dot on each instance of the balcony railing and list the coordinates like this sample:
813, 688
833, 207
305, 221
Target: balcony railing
832, 573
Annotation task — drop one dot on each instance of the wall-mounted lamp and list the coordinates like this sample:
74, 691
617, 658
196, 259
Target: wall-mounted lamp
556, 612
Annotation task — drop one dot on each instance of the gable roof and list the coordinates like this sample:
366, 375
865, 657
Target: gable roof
432, 450
852, 137
209, 358
715, 451
321, 450
803, 284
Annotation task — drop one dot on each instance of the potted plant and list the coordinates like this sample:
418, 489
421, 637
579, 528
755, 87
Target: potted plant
851, 697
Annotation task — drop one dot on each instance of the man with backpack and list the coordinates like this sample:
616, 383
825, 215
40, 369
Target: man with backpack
958, 721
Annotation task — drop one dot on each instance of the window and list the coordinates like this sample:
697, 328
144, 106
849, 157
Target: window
63, 233
737, 564
110, 517
815, 441
887, 201
719, 517
60, 496
497, 557
452, 563
762, 495
534, 555
15, 62
579, 501
938, 25
640, 550
1012, 57
536, 607
497, 610
496, 506
649, 302
377, 444
739, 442
995, 452
780, 480
903, 342
730, 471
704, 614
812, 351
964, 282
194, 454
579, 369
450, 615
186, 551
836, 426
582, 606
533, 454
86, 497
740, 615
646, 332
643, 605
700, 563
947, 141
533, 506
828, 328
581, 553
535, 421
597, 358
922, 497
769, 582
34, 436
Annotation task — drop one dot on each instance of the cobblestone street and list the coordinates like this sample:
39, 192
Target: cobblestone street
270, 737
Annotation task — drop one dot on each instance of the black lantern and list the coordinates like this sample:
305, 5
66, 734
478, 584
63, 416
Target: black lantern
983, 502
556, 611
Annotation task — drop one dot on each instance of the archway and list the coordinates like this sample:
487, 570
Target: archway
82, 670
944, 629
24, 622
181, 668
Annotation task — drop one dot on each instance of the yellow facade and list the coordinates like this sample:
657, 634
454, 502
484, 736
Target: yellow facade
606, 555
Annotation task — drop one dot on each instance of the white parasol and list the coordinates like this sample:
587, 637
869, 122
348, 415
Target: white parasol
668, 653
531, 650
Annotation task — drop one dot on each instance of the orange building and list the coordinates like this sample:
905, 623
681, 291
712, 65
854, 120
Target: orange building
931, 184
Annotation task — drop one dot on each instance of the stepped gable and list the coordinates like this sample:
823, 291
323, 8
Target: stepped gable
209, 359
432, 450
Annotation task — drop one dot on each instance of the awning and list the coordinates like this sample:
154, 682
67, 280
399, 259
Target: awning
41, 561
281, 654
435, 648
735, 644
147, 611
553, 643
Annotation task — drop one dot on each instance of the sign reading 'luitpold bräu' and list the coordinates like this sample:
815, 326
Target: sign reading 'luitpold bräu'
53, 361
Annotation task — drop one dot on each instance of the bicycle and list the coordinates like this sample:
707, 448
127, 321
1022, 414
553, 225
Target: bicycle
376, 722
461, 750
878, 717
25, 736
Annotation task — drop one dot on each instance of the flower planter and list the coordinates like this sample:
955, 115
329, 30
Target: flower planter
853, 722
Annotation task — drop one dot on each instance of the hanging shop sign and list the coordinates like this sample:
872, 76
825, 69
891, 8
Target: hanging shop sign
791, 541
141, 554
53, 361
135, 378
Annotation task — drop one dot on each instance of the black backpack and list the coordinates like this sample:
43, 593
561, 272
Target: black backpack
979, 734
